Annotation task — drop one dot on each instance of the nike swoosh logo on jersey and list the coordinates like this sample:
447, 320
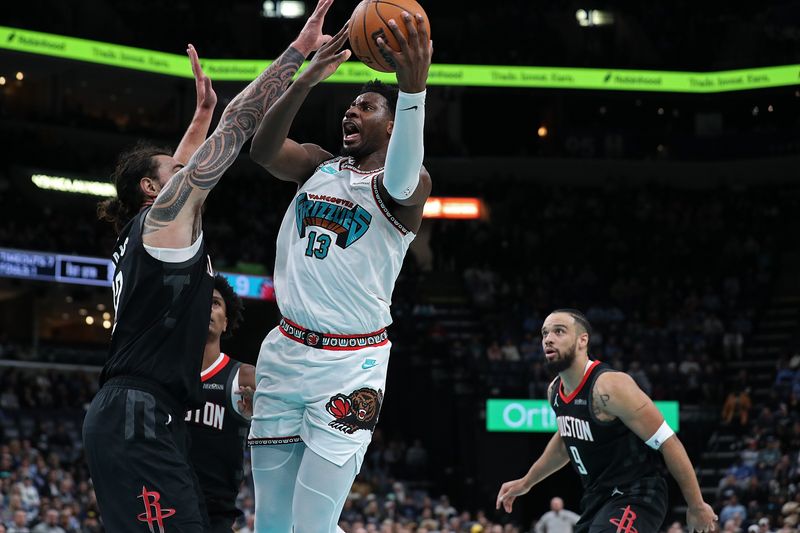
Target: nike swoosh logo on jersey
369, 363
410, 108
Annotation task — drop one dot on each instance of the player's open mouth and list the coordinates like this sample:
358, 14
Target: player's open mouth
550, 352
351, 132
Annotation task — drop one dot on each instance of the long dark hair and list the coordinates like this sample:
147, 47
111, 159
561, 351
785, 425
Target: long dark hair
132, 166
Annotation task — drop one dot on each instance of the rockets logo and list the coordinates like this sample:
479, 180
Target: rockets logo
347, 220
625, 522
153, 513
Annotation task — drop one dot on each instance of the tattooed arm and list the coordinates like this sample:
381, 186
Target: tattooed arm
174, 221
284, 158
616, 395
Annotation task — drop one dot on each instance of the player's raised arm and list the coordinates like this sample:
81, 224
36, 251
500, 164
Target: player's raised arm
553, 459
282, 157
203, 111
617, 394
405, 179
174, 220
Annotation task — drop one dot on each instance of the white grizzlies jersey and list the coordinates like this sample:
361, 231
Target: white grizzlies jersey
339, 252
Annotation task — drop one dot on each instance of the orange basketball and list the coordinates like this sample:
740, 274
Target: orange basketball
370, 21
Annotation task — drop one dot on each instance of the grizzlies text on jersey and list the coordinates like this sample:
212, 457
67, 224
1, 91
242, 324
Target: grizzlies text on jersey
341, 251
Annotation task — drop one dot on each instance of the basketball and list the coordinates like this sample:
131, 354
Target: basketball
370, 21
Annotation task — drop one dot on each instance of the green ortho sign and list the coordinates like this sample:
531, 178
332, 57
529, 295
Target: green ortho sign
536, 416
455, 75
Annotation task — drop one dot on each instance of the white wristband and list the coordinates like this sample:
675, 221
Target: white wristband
659, 437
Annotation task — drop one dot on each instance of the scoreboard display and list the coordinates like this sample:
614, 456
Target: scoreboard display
83, 270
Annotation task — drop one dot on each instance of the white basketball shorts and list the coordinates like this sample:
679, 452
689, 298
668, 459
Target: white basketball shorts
323, 390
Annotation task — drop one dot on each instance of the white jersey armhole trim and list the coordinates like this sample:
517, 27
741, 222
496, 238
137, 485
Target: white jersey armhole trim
175, 255
235, 396
213, 366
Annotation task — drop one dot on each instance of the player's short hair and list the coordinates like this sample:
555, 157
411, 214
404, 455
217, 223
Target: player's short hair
387, 91
233, 304
580, 319
132, 165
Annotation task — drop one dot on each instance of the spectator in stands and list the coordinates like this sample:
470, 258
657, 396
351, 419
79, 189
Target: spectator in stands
769, 456
749, 455
789, 524
14, 506
91, 524
727, 486
733, 339
754, 491
19, 523
742, 473
443, 508
737, 408
9, 399
784, 378
494, 353
50, 523
557, 519
28, 493
732, 525
638, 374
510, 351
531, 348
763, 526
732, 510
416, 459
68, 521
794, 362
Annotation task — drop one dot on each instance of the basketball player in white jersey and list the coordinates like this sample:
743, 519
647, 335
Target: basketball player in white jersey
321, 374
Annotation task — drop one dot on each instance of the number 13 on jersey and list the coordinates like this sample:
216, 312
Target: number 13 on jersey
318, 245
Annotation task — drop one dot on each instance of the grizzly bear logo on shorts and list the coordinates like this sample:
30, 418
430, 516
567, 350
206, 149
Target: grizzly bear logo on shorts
359, 410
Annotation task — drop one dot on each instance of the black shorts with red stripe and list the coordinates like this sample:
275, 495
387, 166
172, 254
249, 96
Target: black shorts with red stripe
640, 507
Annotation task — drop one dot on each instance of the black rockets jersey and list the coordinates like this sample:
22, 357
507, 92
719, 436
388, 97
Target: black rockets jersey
162, 314
605, 454
218, 434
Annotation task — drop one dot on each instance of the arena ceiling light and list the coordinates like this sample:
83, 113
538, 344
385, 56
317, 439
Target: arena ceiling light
594, 17
72, 185
453, 208
287, 9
